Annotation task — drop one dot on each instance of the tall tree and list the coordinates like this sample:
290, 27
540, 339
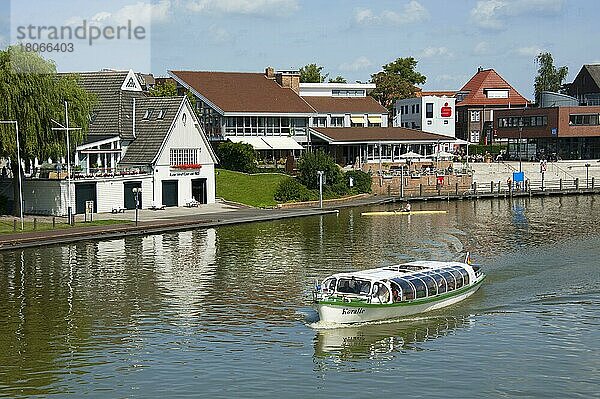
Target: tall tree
397, 80
167, 88
338, 79
549, 78
312, 73
33, 94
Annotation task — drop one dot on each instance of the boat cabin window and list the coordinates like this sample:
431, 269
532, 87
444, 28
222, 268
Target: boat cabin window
354, 286
329, 284
420, 287
430, 282
458, 277
449, 279
441, 283
465, 275
407, 290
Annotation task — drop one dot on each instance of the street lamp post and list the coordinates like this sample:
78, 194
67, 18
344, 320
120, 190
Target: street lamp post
18, 169
320, 174
68, 130
137, 191
587, 175
520, 134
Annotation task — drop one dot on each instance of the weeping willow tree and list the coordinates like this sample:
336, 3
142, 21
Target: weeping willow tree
32, 94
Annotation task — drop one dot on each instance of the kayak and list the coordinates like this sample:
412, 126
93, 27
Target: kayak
383, 213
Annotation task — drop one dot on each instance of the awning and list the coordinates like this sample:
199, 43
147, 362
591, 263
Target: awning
257, 142
282, 143
357, 119
374, 118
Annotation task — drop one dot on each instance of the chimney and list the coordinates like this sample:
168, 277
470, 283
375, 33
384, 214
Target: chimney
480, 68
270, 72
289, 80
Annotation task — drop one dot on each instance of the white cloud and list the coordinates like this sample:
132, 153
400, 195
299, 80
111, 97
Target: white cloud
431, 52
358, 64
245, 7
491, 14
412, 12
140, 13
455, 80
481, 48
529, 51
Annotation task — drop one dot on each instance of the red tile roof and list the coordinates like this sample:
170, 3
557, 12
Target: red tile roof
438, 93
395, 134
489, 79
243, 92
345, 105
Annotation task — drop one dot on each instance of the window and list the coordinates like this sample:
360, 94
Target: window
319, 121
428, 110
348, 93
497, 93
148, 113
337, 121
406, 109
475, 135
161, 113
412, 108
417, 106
583, 120
183, 156
475, 116
353, 286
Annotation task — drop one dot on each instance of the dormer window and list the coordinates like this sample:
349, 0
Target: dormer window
496, 93
161, 113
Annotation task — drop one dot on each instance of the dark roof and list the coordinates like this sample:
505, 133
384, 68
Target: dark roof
243, 92
489, 79
150, 133
112, 114
358, 134
344, 105
594, 71
96, 138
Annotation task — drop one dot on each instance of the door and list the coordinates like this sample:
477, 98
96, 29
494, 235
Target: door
129, 197
169, 192
199, 190
85, 192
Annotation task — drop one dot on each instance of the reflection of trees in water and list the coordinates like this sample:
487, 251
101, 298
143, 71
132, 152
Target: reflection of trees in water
381, 341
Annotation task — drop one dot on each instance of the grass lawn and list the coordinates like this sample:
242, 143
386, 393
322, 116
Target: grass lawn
254, 190
6, 225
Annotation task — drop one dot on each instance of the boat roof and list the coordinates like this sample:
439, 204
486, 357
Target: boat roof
403, 269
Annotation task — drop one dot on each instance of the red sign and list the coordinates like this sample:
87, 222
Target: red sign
446, 111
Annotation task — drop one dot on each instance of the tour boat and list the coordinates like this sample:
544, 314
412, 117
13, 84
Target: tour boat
395, 291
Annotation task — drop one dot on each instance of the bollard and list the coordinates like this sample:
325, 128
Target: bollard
560, 184
592, 183
420, 190
456, 189
14, 224
475, 187
492, 187
53, 222
577, 183
35, 223
499, 188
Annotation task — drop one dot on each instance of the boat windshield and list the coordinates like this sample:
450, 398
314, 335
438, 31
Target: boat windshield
353, 286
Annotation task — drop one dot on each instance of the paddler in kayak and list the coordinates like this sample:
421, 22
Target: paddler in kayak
405, 208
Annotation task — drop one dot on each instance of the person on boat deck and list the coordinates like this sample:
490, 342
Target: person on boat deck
405, 208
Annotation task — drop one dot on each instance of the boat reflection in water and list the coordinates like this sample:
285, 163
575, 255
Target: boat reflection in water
373, 340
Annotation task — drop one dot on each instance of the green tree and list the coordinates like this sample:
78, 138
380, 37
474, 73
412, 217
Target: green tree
33, 94
397, 80
311, 162
549, 78
166, 89
240, 157
312, 73
338, 79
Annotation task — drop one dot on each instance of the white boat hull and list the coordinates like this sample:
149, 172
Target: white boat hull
355, 313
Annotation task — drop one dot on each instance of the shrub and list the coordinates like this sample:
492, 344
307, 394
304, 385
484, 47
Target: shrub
292, 190
237, 156
311, 162
362, 181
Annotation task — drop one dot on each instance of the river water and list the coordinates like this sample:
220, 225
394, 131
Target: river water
226, 312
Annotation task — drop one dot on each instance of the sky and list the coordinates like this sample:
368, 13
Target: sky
450, 39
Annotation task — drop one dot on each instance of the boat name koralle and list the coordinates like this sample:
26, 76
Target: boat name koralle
353, 311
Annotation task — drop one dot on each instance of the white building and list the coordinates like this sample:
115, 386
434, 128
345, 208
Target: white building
431, 114
134, 141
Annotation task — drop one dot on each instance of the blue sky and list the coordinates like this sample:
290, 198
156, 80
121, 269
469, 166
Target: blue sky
450, 39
